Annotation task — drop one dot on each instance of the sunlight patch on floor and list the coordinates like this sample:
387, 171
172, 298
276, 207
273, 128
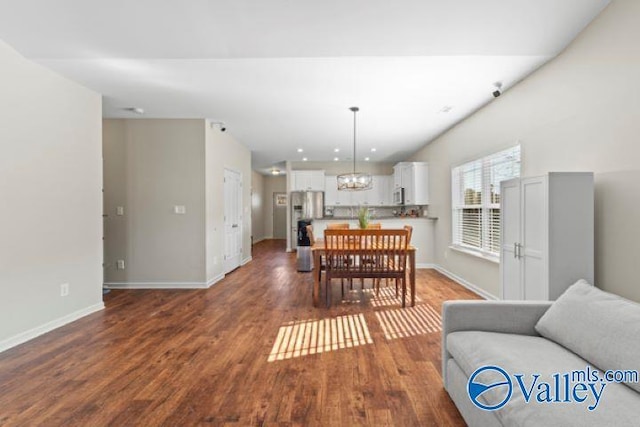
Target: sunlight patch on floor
406, 322
387, 296
301, 338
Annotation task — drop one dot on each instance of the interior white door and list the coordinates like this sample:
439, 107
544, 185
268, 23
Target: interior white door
232, 220
509, 262
534, 238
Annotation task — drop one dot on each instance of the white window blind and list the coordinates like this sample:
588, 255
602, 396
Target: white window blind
475, 197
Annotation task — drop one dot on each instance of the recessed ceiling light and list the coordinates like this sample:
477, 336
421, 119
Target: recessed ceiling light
275, 172
335, 159
300, 150
304, 159
336, 150
373, 150
366, 159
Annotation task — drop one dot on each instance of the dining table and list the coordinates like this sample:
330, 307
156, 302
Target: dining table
318, 250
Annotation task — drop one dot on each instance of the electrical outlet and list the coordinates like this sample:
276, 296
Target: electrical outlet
120, 264
64, 289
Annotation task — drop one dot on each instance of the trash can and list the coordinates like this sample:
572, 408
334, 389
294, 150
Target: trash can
304, 257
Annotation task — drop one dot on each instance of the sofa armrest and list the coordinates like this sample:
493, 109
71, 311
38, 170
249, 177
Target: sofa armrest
509, 317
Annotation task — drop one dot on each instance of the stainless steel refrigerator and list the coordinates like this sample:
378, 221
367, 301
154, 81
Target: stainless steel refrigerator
305, 205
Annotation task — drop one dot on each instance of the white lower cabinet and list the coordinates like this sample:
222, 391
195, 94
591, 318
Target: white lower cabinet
547, 234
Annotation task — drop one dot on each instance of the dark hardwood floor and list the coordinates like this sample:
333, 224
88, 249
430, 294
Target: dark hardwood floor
251, 350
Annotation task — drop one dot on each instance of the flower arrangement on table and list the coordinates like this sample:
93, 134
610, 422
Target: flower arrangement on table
363, 217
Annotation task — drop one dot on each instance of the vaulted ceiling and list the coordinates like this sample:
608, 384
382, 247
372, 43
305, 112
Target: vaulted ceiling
282, 74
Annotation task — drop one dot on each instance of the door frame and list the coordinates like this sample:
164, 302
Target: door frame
240, 222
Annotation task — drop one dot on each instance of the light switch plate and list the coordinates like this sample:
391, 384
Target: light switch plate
180, 209
120, 210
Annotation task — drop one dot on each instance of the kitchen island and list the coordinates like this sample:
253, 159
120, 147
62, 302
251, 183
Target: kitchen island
422, 238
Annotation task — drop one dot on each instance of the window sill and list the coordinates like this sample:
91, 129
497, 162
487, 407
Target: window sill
491, 258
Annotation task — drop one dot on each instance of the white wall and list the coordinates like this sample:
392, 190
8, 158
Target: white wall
224, 151
580, 112
152, 165
51, 209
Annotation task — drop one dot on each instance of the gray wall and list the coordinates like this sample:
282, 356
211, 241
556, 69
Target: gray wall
257, 206
224, 151
580, 112
272, 184
152, 165
51, 209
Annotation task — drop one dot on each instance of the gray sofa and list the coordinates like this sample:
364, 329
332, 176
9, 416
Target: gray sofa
510, 342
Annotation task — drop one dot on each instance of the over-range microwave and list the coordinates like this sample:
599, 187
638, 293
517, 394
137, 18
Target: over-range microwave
398, 196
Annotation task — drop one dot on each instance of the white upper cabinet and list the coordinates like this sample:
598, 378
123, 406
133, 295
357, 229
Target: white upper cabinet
379, 195
397, 175
382, 192
330, 191
414, 178
307, 181
333, 197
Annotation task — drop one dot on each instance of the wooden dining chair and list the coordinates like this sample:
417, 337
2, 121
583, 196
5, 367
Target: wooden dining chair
334, 226
338, 226
343, 249
370, 226
409, 230
336, 259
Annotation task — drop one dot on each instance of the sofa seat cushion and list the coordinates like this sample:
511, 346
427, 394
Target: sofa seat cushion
519, 354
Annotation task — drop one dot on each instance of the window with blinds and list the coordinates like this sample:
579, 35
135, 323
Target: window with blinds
475, 188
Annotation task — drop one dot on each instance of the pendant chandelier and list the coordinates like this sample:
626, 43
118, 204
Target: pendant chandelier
354, 181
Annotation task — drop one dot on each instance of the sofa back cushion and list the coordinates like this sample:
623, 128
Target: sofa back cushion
602, 328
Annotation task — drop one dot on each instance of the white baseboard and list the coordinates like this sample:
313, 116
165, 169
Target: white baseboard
473, 288
261, 239
157, 285
246, 260
167, 285
215, 280
48, 327
425, 266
